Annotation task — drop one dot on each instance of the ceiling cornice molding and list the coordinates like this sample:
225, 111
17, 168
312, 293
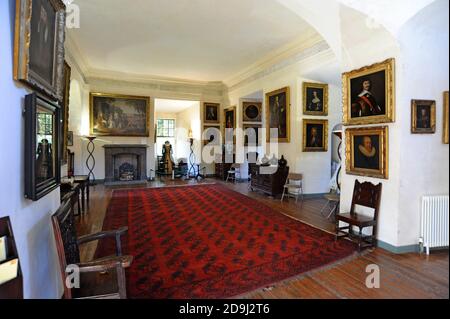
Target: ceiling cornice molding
309, 45
164, 89
76, 57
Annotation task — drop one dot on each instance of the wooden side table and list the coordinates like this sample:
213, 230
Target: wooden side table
72, 192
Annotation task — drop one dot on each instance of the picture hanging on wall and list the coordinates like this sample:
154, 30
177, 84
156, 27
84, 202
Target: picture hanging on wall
252, 135
211, 112
369, 94
252, 112
315, 99
39, 45
446, 118
367, 151
230, 124
65, 113
212, 135
119, 115
315, 135
278, 115
42, 170
423, 117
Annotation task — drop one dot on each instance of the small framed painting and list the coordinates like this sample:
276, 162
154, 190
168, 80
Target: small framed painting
315, 99
446, 118
367, 151
212, 135
315, 135
369, 94
39, 45
252, 112
252, 136
211, 113
119, 115
423, 117
278, 118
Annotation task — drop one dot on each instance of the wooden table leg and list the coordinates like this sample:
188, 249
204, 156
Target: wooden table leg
87, 192
83, 186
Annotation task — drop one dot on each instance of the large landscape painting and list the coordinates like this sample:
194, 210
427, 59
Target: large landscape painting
119, 115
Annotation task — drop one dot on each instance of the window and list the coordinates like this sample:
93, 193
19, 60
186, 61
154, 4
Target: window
166, 128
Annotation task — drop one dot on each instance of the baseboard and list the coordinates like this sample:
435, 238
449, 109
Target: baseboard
398, 249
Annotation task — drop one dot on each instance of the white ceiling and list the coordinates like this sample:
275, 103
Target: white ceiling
173, 106
204, 40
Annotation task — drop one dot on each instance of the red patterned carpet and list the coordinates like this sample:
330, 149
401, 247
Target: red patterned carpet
208, 241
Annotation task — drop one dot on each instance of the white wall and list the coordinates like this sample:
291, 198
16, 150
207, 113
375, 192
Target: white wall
30, 220
424, 168
316, 166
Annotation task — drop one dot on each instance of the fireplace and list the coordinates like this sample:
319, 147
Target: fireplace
125, 164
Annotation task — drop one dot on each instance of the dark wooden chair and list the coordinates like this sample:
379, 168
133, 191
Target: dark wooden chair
367, 195
102, 278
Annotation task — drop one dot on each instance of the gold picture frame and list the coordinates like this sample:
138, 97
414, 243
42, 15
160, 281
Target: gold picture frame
229, 114
65, 112
446, 119
110, 122
284, 121
315, 135
377, 80
39, 56
367, 151
211, 113
423, 117
311, 93
252, 112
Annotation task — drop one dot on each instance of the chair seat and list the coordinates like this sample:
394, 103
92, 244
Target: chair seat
333, 197
356, 219
98, 285
293, 186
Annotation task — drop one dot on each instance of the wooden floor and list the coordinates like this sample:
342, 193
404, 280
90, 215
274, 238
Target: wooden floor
402, 276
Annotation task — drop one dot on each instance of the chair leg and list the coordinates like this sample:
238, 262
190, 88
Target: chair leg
284, 192
360, 239
337, 230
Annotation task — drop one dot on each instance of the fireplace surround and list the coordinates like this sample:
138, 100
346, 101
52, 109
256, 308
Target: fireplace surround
125, 163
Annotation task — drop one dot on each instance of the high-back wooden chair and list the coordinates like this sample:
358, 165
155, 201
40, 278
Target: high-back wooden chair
366, 195
103, 278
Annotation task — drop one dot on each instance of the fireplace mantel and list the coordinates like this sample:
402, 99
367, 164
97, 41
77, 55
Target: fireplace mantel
114, 151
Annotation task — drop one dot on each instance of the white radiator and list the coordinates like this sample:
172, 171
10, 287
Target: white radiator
434, 222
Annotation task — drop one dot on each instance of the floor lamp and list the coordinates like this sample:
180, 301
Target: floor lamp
90, 161
192, 158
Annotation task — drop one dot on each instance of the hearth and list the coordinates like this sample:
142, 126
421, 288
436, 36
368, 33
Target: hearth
125, 164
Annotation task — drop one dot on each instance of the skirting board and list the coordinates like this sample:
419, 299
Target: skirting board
398, 249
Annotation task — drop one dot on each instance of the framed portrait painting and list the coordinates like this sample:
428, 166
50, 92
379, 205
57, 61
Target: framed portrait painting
423, 117
369, 94
315, 99
211, 113
119, 115
315, 135
252, 112
252, 136
212, 135
65, 113
446, 118
278, 115
367, 151
39, 45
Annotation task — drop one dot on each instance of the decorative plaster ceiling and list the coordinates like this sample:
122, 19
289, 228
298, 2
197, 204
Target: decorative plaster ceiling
203, 40
173, 106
